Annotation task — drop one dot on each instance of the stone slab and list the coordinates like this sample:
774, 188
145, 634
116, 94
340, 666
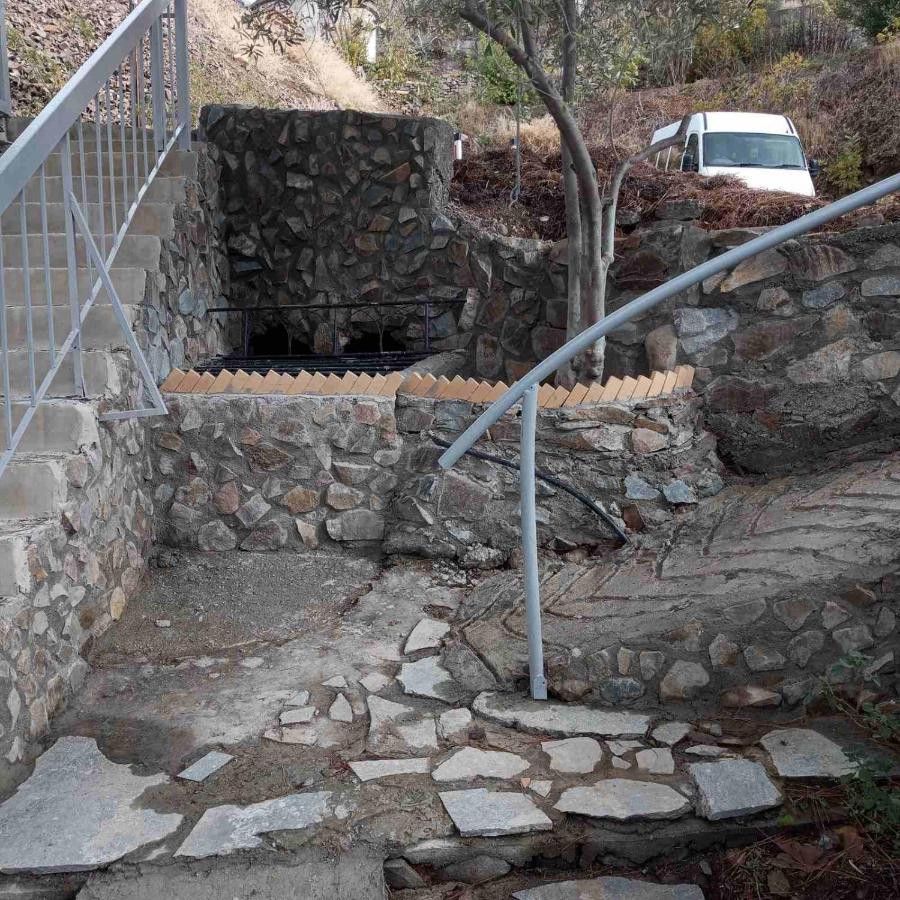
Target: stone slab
225, 829
375, 682
804, 753
575, 756
301, 715
483, 813
733, 787
78, 811
206, 766
428, 678
455, 723
655, 761
564, 719
373, 769
472, 762
624, 801
427, 635
398, 729
340, 710
611, 889
348, 876
670, 733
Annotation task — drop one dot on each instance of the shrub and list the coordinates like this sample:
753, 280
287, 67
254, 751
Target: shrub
499, 77
843, 172
392, 67
351, 42
873, 16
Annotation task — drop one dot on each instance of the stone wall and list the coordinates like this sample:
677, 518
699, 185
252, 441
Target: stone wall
75, 574
272, 473
175, 328
643, 462
338, 207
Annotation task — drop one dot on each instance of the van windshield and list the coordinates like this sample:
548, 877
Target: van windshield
763, 151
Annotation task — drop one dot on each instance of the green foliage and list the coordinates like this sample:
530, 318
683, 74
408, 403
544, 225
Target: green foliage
350, 41
875, 803
83, 27
499, 78
393, 67
727, 47
844, 172
875, 17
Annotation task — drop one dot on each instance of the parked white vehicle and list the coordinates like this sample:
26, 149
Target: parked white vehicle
763, 150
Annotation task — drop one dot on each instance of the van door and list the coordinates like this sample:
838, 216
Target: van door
690, 159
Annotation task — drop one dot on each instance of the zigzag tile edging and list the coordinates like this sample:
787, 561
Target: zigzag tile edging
658, 384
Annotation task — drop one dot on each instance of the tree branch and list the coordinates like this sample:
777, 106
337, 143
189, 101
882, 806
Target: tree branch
611, 202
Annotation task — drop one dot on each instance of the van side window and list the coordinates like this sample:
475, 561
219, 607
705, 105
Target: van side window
690, 160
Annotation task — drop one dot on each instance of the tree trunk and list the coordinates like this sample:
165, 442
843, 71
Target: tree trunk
567, 376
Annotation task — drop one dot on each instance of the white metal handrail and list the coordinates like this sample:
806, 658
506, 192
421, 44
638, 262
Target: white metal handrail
136, 80
527, 386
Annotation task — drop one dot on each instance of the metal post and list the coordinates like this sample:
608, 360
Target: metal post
72, 264
183, 74
5, 93
246, 335
158, 86
427, 327
529, 545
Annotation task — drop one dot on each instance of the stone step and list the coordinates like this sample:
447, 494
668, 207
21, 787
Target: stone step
100, 331
17, 124
58, 426
140, 250
100, 374
163, 189
33, 487
178, 162
128, 282
149, 218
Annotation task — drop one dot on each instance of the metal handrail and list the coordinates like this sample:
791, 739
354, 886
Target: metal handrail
99, 196
527, 385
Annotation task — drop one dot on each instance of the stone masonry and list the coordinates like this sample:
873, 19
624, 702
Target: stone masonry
280, 472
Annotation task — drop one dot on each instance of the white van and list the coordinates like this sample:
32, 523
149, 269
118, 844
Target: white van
763, 150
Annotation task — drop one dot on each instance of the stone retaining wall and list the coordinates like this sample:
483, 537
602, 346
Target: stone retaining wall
643, 461
175, 328
277, 472
75, 574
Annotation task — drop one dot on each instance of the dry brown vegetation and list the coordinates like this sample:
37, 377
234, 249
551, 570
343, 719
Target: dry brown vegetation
829, 102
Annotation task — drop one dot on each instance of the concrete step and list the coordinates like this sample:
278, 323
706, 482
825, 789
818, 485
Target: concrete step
17, 124
33, 486
149, 218
164, 189
101, 329
140, 250
128, 282
58, 426
178, 162
100, 374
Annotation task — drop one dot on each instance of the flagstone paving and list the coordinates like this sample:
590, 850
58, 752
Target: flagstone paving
463, 790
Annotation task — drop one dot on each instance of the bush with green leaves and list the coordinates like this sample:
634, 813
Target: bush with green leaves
844, 172
499, 78
875, 17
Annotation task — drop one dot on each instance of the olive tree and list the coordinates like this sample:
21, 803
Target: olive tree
590, 216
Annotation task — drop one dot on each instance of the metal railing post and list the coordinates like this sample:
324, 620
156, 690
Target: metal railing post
5, 92
182, 71
158, 86
68, 185
530, 546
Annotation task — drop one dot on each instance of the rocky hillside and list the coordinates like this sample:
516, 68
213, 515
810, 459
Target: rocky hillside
50, 39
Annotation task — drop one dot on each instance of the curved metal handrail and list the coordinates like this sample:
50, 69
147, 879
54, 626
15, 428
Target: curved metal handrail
527, 386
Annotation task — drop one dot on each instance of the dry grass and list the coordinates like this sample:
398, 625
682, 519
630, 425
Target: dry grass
481, 186
308, 76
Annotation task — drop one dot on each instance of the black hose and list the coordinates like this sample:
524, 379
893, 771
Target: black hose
550, 479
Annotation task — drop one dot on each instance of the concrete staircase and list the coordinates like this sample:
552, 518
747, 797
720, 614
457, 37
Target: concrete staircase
35, 485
